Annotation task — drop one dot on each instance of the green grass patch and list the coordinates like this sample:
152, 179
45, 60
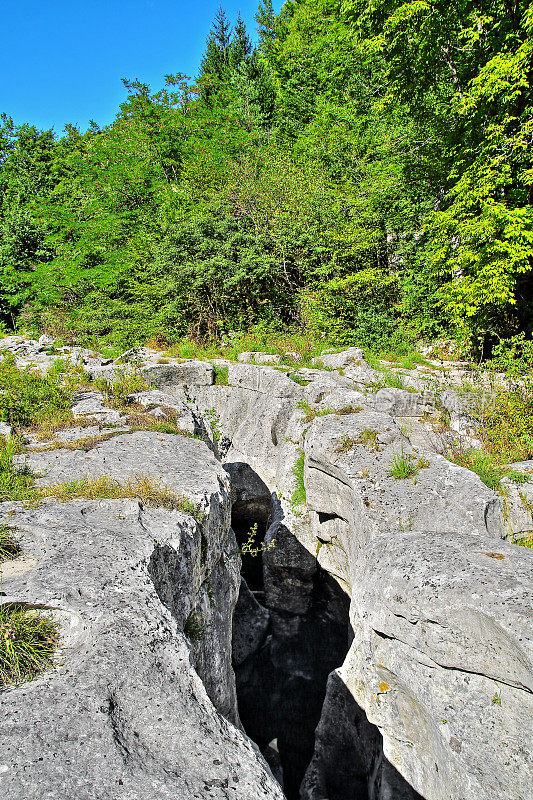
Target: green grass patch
404, 465
28, 398
120, 385
16, 483
220, 374
28, 640
147, 490
487, 468
299, 495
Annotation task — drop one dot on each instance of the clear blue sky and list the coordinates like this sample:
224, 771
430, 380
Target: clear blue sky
62, 61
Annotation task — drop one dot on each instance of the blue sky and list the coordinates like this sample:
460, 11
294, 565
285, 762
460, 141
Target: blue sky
62, 61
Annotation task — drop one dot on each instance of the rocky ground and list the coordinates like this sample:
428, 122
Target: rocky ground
389, 612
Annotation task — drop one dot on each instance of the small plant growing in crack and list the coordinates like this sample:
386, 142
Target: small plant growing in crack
346, 444
195, 626
299, 495
214, 420
250, 546
404, 465
369, 438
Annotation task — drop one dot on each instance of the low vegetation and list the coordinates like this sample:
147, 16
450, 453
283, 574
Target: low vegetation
28, 640
405, 465
299, 495
150, 492
9, 544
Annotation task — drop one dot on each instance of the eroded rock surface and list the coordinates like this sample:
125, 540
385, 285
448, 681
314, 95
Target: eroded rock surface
432, 698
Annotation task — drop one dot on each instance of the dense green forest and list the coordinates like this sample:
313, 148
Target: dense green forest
365, 172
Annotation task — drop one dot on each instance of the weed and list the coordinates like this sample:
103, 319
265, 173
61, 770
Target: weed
350, 409
406, 465
220, 374
311, 413
346, 444
195, 626
16, 483
497, 699
9, 546
391, 379
299, 495
120, 385
294, 376
28, 640
368, 438
214, 419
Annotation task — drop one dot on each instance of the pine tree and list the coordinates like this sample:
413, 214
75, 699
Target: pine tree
265, 19
216, 58
241, 46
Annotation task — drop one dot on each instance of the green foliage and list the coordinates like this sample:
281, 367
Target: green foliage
28, 398
405, 465
221, 374
16, 482
299, 494
28, 640
213, 417
356, 310
121, 385
195, 626
366, 171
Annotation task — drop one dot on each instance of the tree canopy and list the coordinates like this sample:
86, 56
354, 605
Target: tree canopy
365, 170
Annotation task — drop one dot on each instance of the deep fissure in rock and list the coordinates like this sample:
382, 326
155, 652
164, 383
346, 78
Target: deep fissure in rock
291, 629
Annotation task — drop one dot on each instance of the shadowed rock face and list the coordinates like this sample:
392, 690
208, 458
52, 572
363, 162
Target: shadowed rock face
286, 649
298, 634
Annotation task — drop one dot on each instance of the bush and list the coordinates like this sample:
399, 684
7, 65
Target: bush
27, 398
355, 310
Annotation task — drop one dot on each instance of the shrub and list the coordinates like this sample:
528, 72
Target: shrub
28, 640
355, 310
28, 398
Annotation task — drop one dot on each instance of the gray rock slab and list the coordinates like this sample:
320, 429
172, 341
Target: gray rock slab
190, 373
124, 715
441, 663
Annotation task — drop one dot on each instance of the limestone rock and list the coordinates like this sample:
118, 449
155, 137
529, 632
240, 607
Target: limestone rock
124, 714
250, 625
190, 373
440, 663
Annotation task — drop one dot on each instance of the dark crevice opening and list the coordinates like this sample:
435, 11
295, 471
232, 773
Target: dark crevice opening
297, 617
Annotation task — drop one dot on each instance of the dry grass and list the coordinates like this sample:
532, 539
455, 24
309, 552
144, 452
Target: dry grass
142, 487
9, 546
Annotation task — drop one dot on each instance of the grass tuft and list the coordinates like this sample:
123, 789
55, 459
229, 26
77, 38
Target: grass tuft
299, 495
28, 640
9, 545
406, 466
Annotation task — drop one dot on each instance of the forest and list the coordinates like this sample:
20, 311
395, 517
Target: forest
363, 173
